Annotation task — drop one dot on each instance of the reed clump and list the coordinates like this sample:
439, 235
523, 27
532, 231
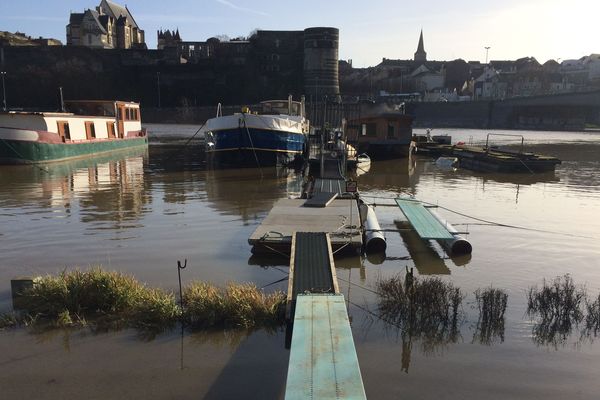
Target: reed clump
592, 319
105, 300
559, 306
492, 306
238, 305
426, 308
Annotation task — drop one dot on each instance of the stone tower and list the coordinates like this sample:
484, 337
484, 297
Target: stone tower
420, 54
321, 75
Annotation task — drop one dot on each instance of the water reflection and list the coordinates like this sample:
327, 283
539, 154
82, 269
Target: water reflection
250, 192
397, 175
425, 258
107, 190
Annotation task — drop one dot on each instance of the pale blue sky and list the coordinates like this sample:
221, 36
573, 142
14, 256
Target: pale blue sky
369, 30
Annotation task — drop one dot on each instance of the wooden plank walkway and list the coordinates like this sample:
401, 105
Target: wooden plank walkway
340, 219
426, 225
323, 362
321, 199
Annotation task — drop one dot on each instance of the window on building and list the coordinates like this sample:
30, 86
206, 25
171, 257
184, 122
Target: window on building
371, 129
390, 131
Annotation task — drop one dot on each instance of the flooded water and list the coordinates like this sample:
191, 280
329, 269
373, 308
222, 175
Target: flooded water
141, 211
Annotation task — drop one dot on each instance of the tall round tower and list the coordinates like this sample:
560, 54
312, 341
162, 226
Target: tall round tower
321, 62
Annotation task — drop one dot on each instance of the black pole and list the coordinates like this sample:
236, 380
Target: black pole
3, 73
179, 268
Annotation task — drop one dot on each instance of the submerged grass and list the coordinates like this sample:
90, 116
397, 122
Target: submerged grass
592, 319
491, 303
558, 305
112, 300
238, 305
423, 308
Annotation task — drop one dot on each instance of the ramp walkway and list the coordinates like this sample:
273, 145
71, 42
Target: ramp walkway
323, 362
426, 225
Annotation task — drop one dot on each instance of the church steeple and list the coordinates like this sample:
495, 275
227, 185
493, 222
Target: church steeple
420, 54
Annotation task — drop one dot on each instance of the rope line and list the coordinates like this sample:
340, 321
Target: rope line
252, 144
489, 222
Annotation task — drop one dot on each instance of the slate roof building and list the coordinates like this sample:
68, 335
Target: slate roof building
109, 26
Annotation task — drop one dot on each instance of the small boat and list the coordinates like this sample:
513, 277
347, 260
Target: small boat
431, 144
276, 135
363, 160
446, 162
85, 128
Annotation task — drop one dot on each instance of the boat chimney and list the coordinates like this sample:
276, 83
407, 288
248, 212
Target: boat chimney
62, 101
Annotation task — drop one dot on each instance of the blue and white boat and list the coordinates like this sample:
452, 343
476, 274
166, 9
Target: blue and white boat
274, 135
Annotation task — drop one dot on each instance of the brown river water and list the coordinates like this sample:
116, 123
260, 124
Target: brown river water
141, 211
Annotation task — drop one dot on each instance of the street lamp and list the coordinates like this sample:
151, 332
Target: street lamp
487, 49
3, 73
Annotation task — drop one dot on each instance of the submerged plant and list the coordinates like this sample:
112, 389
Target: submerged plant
105, 300
82, 294
7, 321
238, 305
426, 308
491, 303
592, 319
558, 306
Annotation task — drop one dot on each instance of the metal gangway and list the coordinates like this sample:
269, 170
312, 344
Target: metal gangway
323, 362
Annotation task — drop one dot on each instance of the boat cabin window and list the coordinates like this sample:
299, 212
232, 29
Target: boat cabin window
110, 128
63, 130
90, 130
370, 129
131, 114
120, 113
95, 108
280, 107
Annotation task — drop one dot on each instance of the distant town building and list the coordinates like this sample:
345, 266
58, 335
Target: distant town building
420, 54
21, 39
307, 58
109, 26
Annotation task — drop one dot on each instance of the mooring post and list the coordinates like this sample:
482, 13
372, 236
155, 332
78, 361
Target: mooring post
179, 268
17, 287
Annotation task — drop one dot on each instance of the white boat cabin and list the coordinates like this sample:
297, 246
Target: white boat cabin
83, 120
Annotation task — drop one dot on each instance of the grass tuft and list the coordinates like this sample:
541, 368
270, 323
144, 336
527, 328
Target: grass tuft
106, 300
238, 305
492, 306
8, 321
559, 306
425, 308
592, 319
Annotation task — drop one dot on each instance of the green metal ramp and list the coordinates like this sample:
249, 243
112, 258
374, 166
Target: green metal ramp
426, 225
323, 362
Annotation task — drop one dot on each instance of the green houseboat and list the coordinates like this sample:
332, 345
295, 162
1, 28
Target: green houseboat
85, 128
